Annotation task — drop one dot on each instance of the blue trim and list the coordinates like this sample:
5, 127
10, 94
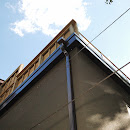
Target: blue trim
35, 74
74, 38
41, 68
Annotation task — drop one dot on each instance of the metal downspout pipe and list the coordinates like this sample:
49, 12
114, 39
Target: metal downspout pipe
71, 107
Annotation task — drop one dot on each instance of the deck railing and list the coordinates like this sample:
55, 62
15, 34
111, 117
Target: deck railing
9, 84
19, 76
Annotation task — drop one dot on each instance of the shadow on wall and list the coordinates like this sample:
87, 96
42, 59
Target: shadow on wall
102, 109
120, 121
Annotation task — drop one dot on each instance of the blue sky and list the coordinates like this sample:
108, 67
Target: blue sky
27, 26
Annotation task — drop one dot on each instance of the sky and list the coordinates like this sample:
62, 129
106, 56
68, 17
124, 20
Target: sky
27, 26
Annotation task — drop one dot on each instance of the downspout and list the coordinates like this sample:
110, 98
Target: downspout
71, 106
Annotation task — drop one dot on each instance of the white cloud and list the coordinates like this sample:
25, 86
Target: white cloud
23, 26
49, 16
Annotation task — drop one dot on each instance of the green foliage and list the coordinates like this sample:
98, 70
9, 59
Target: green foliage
109, 1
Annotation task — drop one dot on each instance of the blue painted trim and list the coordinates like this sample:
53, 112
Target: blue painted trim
35, 74
74, 38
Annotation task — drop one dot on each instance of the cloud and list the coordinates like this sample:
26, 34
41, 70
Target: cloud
49, 16
23, 26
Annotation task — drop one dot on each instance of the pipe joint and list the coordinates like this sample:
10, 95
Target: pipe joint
63, 45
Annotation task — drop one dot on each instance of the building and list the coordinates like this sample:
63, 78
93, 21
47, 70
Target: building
62, 89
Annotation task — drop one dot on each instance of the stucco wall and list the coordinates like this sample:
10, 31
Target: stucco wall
103, 107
